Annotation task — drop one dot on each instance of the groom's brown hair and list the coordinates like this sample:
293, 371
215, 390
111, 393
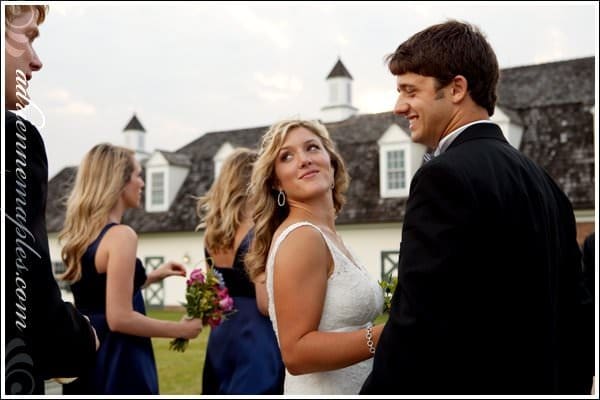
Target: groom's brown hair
449, 49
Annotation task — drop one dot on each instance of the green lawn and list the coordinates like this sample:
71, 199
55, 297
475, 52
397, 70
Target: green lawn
181, 373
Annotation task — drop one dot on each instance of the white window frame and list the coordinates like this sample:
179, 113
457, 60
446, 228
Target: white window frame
384, 187
150, 205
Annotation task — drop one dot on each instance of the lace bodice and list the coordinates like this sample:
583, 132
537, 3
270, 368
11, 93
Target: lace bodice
353, 299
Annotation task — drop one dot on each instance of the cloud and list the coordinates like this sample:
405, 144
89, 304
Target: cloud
375, 100
67, 10
342, 40
59, 95
76, 108
252, 23
555, 47
62, 102
278, 86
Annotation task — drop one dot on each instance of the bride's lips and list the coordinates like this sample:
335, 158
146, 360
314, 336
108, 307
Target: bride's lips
309, 174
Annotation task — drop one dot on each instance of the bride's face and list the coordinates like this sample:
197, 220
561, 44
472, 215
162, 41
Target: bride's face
303, 166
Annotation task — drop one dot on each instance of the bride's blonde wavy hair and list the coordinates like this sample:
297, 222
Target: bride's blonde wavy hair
101, 178
222, 209
266, 215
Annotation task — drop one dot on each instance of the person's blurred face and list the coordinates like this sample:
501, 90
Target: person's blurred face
429, 111
20, 58
132, 193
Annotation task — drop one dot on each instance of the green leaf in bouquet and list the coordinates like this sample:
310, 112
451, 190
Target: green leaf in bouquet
389, 287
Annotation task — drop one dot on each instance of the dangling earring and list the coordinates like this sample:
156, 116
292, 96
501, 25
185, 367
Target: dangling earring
281, 198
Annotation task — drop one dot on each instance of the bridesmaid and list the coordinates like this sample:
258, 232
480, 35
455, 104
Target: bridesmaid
106, 277
242, 356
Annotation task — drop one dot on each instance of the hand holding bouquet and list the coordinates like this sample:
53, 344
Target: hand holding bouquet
206, 298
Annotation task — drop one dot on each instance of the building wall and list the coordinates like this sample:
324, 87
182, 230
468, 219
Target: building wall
170, 246
366, 241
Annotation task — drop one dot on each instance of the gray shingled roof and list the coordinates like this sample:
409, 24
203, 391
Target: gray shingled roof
571, 163
554, 102
542, 85
339, 70
177, 159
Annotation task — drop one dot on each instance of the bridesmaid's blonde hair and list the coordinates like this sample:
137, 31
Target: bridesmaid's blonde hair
222, 208
101, 178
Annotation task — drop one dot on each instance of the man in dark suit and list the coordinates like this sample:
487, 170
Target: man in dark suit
488, 298
45, 337
589, 264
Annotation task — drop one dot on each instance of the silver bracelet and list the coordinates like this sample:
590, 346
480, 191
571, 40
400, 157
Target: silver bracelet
369, 336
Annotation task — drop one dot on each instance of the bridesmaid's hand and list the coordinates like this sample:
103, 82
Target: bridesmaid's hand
171, 268
190, 327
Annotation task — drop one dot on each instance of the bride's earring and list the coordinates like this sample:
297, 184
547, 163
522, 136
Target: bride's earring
281, 198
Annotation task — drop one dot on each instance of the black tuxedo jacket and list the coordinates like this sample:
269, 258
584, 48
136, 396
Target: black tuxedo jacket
489, 297
45, 337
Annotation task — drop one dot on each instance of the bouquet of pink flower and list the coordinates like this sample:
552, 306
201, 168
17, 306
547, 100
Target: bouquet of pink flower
206, 298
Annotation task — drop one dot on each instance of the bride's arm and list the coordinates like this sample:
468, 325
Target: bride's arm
299, 285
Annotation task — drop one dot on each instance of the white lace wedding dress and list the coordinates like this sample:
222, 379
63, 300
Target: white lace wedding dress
352, 300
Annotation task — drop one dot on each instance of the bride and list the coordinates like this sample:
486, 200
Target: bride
320, 300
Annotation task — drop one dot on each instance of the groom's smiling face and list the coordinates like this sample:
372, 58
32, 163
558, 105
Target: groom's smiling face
426, 106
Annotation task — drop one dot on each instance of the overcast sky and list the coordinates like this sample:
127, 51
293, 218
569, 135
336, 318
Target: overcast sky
191, 68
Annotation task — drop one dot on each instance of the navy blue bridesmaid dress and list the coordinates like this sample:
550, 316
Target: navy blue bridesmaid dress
242, 355
125, 363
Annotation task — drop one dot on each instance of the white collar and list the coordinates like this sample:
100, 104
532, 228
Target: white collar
449, 138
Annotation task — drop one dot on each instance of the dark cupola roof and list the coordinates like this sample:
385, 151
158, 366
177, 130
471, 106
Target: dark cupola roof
134, 125
339, 70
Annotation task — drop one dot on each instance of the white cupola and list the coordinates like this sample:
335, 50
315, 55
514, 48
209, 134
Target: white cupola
135, 138
339, 83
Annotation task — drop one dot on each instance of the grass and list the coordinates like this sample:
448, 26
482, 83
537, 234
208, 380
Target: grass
181, 373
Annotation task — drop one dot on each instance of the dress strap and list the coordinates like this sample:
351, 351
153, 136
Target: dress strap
104, 230
96, 241
292, 228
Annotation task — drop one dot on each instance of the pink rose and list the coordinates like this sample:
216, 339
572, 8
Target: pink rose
222, 293
226, 304
196, 276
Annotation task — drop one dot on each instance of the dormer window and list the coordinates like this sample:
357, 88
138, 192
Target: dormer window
511, 125
224, 152
165, 173
158, 188
399, 159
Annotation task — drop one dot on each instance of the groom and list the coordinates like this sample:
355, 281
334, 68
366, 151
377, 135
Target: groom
488, 298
